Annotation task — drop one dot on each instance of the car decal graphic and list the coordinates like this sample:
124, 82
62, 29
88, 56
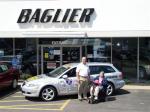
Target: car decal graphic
69, 81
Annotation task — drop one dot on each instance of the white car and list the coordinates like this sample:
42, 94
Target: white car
63, 81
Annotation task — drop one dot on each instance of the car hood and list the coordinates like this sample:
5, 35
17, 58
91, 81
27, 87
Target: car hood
41, 79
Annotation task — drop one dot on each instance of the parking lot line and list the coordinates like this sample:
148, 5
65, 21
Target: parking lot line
18, 96
19, 92
3, 101
28, 107
23, 107
65, 104
31, 105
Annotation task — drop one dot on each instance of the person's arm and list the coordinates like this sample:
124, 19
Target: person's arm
78, 77
77, 74
89, 73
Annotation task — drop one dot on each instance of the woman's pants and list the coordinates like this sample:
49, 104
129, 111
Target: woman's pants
94, 91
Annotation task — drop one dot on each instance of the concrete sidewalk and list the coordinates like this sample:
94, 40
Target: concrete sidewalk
138, 87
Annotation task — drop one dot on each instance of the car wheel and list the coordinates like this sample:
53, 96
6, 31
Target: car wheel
14, 84
142, 73
48, 93
110, 89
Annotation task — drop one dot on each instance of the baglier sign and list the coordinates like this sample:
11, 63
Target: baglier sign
56, 15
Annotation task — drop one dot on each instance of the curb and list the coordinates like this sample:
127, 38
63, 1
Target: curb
136, 87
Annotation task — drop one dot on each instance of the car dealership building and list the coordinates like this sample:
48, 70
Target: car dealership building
56, 32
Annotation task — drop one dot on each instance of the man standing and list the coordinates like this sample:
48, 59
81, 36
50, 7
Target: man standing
83, 77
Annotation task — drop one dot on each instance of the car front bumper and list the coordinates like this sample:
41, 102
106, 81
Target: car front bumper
30, 91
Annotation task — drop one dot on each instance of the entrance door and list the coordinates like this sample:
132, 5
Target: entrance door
71, 54
50, 58
55, 56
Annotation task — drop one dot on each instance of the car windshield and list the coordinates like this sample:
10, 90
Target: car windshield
58, 71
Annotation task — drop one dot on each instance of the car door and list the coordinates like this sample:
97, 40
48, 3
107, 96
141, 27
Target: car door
69, 85
5, 80
72, 81
1, 78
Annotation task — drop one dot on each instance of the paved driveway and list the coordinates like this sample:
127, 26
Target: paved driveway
123, 101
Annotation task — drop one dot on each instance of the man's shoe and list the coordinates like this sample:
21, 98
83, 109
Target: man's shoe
96, 98
85, 98
90, 97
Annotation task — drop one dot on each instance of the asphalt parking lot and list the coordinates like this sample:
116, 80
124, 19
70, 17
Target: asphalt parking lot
123, 100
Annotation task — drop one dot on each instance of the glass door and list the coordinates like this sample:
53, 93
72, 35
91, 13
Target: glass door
71, 54
50, 58
55, 56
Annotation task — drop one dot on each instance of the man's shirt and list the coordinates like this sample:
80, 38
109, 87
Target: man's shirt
83, 70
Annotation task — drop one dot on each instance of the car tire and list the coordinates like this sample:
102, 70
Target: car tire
48, 93
110, 89
14, 83
142, 73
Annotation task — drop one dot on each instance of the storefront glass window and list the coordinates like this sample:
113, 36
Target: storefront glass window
56, 51
144, 58
20, 45
124, 56
6, 50
98, 50
6, 46
71, 54
26, 49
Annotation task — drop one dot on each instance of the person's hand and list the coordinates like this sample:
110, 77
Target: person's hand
78, 81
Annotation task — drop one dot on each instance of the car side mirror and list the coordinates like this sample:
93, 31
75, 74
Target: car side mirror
65, 76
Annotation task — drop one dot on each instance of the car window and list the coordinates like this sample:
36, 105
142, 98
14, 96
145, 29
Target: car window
94, 69
72, 72
107, 69
58, 71
98, 69
3, 68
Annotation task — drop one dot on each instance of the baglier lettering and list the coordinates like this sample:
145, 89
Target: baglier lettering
53, 16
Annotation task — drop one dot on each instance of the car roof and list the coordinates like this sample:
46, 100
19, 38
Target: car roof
89, 63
